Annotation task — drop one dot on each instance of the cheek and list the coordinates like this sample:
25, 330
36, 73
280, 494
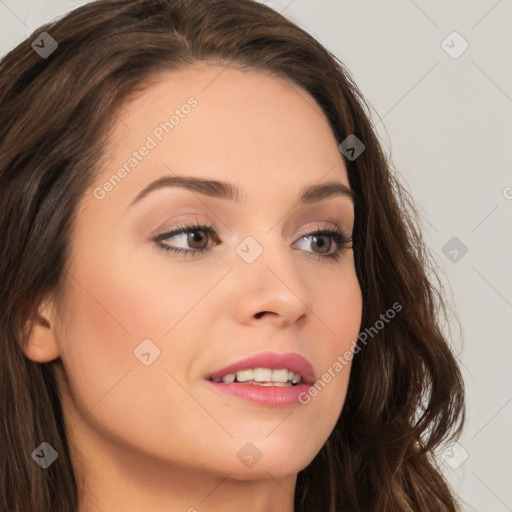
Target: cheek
116, 303
339, 313
110, 311
338, 309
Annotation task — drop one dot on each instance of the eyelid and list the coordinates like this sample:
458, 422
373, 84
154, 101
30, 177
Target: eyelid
184, 226
339, 236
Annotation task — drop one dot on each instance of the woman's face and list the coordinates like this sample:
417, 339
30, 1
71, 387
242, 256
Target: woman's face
145, 328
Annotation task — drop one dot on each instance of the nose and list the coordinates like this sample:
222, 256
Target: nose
270, 289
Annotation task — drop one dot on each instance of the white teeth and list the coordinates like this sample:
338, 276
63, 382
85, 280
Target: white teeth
263, 377
278, 375
244, 375
262, 374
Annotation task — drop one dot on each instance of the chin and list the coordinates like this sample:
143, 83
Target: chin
279, 459
269, 469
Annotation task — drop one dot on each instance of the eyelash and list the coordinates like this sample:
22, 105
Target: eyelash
337, 234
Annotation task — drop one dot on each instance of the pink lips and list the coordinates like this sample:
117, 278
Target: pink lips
269, 396
273, 361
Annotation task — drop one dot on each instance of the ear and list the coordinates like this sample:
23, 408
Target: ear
41, 346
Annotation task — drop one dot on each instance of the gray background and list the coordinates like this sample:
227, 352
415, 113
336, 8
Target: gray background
446, 123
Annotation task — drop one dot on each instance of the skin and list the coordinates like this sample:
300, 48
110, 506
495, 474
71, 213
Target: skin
157, 437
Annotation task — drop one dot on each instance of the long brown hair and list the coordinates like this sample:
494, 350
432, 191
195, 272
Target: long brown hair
405, 394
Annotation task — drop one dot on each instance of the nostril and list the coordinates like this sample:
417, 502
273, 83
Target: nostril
260, 314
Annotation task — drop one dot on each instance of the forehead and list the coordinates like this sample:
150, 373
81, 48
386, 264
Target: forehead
237, 125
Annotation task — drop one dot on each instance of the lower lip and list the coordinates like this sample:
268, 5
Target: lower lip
270, 396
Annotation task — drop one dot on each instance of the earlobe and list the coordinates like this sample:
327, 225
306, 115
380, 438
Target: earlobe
41, 345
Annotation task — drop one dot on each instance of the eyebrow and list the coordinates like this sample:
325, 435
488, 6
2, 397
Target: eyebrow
220, 189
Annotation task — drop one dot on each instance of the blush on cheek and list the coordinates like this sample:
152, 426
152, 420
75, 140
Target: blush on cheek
95, 344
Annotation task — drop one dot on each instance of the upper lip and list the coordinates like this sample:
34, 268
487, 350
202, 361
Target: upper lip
293, 362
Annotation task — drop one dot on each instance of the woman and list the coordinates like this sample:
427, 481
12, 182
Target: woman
214, 293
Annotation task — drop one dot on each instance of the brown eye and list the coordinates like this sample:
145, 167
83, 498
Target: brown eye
186, 239
197, 239
322, 242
